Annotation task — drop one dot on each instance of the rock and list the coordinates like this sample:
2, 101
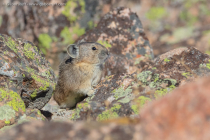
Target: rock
13, 110
65, 131
32, 115
122, 33
182, 64
183, 114
11, 107
25, 72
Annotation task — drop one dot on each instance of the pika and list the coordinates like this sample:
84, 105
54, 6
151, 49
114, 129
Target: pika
79, 73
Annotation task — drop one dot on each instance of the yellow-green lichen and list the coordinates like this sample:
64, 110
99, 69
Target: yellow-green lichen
15, 100
166, 60
6, 113
139, 102
91, 24
155, 81
186, 74
45, 87
108, 77
105, 43
109, 114
187, 17
156, 13
44, 41
123, 95
11, 44
181, 33
1, 20
28, 53
208, 65
163, 91
135, 109
34, 94
40, 115
30, 70
7, 122
69, 9
143, 76
46, 74
67, 35
37, 61
45, 82
76, 111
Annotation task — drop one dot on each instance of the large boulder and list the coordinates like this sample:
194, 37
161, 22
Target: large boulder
25, 71
122, 33
26, 80
182, 64
183, 114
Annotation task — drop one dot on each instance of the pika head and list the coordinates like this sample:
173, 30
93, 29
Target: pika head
88, 52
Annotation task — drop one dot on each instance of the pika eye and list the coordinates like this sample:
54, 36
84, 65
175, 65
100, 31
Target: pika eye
93, 48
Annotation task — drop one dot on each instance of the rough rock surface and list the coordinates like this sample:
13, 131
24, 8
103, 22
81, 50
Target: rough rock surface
182, 64
20, 117
11, 107
67, 131
25, 71
123, 95
122, 33
183, 114
13, 110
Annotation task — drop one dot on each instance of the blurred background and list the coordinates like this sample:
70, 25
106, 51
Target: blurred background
54, 24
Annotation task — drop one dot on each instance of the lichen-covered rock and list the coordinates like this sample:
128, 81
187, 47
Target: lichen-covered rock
25, 71
66, 131
33, 114
183, 114
182, 64
13, 110
122, 33
123, 95
12, 107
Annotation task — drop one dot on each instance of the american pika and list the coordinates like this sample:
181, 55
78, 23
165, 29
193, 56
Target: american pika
79, 73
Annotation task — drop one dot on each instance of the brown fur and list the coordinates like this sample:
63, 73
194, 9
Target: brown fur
78, 76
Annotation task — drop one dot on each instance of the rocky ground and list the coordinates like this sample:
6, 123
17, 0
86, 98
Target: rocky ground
141, 96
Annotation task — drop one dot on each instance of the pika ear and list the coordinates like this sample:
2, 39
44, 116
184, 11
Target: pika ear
73, 50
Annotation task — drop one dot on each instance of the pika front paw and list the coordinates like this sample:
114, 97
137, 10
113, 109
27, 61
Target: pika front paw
61, 112
91, 92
